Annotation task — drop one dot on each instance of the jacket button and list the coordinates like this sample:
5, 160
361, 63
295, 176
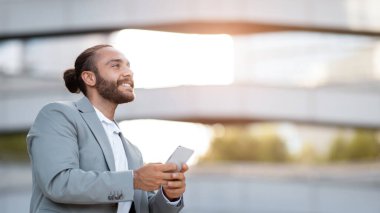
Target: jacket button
119, 196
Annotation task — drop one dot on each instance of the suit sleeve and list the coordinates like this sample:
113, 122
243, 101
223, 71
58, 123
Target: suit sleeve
158, 204
54, 152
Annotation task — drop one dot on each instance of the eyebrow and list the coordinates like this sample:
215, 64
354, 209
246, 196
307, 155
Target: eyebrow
117, 60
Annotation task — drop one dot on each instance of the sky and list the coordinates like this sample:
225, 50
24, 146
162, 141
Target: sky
164, 59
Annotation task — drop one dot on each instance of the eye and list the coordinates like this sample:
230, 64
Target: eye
115, 65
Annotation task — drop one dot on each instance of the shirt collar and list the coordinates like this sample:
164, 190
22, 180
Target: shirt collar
107, 121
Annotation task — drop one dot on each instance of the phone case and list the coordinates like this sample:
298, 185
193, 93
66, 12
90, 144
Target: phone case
180, 156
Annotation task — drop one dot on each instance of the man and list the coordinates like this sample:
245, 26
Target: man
80, 160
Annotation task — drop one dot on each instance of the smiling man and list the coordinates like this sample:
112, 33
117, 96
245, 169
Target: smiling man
81, 162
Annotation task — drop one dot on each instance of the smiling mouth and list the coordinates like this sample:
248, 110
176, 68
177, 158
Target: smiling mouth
127, 84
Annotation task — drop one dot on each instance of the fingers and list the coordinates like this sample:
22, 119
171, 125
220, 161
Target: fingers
174, 189
175, 184
184, 167
174, 176
168, 167
178, 180
174, 193
152, 176
172, 167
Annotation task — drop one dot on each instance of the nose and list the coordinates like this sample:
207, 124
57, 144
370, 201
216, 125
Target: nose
127, 72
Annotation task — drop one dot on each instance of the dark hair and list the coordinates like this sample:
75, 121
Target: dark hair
85, 61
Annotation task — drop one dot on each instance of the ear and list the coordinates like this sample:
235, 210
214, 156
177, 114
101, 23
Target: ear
89, 78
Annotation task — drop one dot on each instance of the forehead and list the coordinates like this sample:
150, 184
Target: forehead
109, 53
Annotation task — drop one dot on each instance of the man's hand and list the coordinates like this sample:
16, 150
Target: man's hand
176, 185
151, 176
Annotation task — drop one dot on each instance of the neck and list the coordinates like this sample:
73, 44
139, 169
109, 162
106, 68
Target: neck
105, 106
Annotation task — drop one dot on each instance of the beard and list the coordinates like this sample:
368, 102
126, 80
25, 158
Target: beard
109, 90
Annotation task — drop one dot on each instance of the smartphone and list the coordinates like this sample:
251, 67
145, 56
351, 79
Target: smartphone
180, 156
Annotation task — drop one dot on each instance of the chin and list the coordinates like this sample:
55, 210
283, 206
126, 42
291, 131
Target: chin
129, 99
125, 97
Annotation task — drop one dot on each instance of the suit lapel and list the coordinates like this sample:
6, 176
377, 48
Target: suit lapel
89, 116
132, 158
133, 163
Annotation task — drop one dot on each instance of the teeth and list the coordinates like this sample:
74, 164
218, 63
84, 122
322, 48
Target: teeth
127, 85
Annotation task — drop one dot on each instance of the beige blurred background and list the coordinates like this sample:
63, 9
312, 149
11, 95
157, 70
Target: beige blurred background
280, 99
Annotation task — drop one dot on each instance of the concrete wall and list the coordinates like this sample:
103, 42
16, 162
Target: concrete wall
23, 17
340, 106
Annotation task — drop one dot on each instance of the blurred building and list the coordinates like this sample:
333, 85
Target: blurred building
316, 59
303, 61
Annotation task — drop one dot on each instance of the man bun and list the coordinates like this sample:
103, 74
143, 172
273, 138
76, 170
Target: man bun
71, 80
84, 62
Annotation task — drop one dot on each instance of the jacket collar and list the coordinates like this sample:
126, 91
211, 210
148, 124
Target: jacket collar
90, 117
84, 105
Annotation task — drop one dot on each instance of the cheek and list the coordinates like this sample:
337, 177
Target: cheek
112, 79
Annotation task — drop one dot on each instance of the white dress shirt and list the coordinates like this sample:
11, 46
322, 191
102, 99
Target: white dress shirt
121, 161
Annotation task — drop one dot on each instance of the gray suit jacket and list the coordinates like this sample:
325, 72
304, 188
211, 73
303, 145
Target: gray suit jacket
73, 166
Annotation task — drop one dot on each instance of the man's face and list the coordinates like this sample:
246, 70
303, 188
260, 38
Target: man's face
114, 80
